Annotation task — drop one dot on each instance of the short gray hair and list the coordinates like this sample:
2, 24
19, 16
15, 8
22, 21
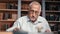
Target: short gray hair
35, 3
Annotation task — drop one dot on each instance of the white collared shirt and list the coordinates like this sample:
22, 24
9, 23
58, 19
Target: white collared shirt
25, 24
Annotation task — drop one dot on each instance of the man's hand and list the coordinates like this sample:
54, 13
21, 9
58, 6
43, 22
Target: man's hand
16, 29
39, 27
47, 30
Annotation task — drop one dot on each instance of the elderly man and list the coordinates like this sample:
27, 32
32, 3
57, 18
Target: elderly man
32, 22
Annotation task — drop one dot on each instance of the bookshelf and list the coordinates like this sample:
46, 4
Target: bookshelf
24, 7
8, 1
52, 11
8, 13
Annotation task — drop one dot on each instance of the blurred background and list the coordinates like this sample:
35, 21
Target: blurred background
10, 10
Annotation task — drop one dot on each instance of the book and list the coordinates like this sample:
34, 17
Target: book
14, 16
56, 17
23, 13
51, 18
52, 6
52, 27
47, 16
15, 6
56, 27
59, 17
2, 5
1, 16
6, 16
8, 5
58, 7
24, 6
4, 26
11, 6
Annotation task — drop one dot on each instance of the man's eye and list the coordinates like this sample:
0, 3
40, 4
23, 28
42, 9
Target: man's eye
36, 12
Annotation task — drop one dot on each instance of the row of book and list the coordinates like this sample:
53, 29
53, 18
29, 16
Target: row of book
6, 16
55, 27
1, 14
24, 13
53, 17
11, 6
15, 6
54, 6
24, 6
4, 27
49, 17
2, 5
8, 6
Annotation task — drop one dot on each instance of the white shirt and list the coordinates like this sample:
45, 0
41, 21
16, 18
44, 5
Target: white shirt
26, 25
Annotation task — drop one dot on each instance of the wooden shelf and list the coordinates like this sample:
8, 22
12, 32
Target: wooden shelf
51, 11
11, 10
26, 0
8, 1
52, 1
4, 32
8, 10
53, 21
24, 10
12, 13
7, 20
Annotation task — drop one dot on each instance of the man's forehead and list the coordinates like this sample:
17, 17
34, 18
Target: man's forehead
35, 7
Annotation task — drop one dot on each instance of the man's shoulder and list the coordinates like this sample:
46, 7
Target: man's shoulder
41, 18
22, 18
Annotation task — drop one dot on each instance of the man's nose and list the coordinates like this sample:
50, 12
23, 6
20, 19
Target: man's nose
34, 14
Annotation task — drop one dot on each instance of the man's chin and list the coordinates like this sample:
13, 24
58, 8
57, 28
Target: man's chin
33, 20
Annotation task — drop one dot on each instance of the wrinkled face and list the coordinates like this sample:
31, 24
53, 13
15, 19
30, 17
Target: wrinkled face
34, 12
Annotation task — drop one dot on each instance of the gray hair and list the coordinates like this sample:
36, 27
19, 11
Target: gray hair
35, 3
